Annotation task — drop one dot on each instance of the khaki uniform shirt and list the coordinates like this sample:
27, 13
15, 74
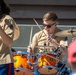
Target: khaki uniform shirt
7, 24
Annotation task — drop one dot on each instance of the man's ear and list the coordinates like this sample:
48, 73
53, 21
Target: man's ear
57, 23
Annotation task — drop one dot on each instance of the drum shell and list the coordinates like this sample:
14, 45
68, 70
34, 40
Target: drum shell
47, 60
21, 60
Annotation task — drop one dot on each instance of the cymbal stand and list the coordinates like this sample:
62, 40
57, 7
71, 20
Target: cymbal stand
45, 50
59, 72
61, 68
72, 31
34, 64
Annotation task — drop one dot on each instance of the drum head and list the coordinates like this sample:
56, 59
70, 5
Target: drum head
47, 71
23, 72
19, 52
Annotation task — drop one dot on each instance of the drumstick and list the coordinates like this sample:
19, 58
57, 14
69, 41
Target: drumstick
51, 56
31, 36
38, 26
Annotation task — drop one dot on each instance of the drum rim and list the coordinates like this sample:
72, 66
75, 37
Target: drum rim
20, 52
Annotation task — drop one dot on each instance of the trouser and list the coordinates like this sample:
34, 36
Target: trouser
7, 69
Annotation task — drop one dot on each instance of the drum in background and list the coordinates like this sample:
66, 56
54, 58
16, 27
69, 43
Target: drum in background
21, 60
47, 63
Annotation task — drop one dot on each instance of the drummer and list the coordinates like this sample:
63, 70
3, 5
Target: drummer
46, 38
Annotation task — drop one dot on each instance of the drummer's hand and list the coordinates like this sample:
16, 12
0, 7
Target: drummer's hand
29, 49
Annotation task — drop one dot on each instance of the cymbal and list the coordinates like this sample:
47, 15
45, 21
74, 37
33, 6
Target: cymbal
44, 46
66, 33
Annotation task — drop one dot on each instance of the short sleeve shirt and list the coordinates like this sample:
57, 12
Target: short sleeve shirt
7, 24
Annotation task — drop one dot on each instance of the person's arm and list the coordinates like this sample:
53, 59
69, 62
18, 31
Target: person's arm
32, 48
64, 45
5, 38
7, 30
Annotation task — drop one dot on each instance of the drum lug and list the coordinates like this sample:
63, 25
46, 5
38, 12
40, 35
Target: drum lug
51, 59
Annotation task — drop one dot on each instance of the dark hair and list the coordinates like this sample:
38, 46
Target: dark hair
50, 16
4, 9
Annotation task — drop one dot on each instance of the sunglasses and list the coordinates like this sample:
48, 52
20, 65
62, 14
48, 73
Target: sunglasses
49, 25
